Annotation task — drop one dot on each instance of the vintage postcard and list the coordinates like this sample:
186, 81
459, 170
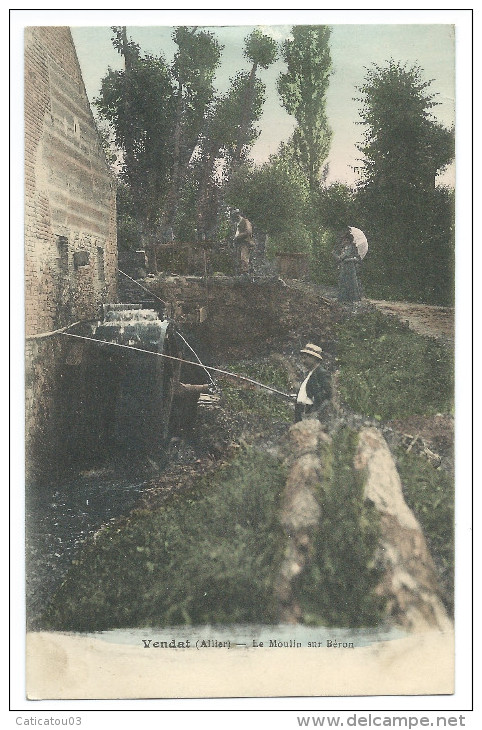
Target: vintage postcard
240, 296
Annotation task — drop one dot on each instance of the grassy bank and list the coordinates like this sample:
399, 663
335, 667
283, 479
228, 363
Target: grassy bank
429, 493
212, 555
209, 556
258, 402
387, 371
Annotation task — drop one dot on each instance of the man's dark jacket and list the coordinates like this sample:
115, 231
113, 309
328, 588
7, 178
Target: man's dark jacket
318, 389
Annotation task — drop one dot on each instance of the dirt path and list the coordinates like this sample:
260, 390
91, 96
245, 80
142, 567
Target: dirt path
424, 319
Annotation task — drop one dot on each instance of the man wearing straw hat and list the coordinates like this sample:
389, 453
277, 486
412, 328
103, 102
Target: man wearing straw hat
315, 392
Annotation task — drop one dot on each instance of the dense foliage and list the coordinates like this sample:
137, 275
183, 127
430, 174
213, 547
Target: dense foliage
333, 208
182, 153
408, 220
276, 196
303, 89
261, 50
176, 139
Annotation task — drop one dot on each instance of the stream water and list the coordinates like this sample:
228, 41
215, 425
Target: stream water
60, 520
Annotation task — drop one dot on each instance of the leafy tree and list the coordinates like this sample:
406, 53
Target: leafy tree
193, 69
332, 208
403, 143
218, 144
404, 148
261, 51
274, 197
166, 120
303, 90
157, 113
230, 131
138, 103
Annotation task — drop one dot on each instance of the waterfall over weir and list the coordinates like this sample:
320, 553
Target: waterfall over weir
118, 401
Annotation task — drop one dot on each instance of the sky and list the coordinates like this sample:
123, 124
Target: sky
354, 48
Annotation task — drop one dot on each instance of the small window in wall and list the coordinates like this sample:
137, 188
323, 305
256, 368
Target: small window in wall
63, 255
100, 264
76, 127
81, 258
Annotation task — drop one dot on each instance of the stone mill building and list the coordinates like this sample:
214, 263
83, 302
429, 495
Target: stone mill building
70, 231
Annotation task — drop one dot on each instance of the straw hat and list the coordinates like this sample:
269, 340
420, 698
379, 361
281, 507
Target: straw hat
314, 350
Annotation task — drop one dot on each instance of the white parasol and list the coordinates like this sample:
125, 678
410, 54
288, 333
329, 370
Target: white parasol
360, 241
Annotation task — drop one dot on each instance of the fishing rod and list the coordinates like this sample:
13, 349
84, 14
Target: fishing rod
179, 359
197, 358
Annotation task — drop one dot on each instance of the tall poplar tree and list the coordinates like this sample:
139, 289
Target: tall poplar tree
138, 103
193, 70
302, 89
261, 50
220, 143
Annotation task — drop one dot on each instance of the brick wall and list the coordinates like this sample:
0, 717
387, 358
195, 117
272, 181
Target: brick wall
70, 214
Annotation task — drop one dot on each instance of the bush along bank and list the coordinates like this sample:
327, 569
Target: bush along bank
386, 372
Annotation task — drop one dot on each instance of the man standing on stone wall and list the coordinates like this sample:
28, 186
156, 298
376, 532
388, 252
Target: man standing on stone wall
243, 244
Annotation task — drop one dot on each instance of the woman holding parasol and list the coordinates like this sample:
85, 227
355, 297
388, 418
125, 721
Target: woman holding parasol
353, 247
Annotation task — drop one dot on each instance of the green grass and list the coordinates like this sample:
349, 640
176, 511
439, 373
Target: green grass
387, 371
337, 589
260, 403
210, 556
429, 493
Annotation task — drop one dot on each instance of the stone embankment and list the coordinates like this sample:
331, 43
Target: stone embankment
300, 510
409, 582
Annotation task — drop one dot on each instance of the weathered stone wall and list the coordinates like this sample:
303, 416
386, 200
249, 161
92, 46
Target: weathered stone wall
231, 318
70, 213
408, 582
